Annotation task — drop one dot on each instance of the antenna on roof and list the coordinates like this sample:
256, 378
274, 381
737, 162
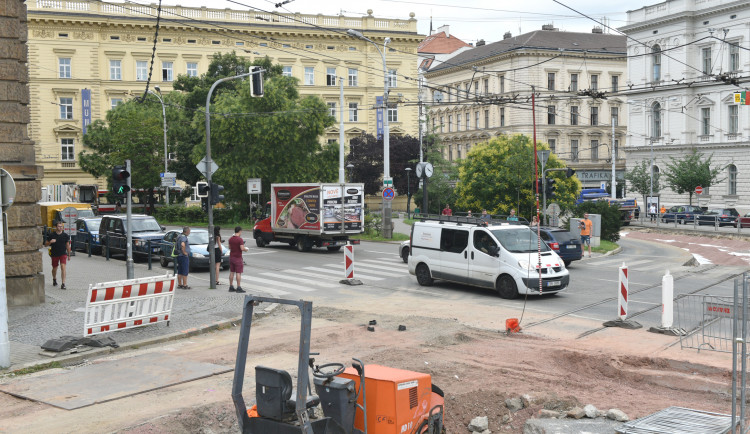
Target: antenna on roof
430, 21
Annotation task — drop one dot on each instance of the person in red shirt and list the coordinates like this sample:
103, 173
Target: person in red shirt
236, 266
447, 210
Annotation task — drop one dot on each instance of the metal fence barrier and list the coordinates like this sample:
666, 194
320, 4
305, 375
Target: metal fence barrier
707, 320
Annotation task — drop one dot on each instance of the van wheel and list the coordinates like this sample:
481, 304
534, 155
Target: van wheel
163, 261
405, 254
260, 242
506, 287
423, 275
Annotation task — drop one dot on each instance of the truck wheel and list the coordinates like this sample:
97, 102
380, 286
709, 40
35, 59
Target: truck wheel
260, 242
334, 248
292, 243
424, 277
163, 261
506, 287
304, 244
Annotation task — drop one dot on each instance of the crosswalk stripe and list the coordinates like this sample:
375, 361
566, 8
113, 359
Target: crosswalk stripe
341, 273
377, 270
379, 261
295, 287
299, 279
250, 287
316, 275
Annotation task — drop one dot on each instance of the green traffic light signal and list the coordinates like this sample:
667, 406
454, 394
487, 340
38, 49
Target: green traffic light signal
120, 180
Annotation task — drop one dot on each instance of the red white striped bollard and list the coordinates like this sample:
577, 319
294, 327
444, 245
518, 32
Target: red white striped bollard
349, 261
622, 298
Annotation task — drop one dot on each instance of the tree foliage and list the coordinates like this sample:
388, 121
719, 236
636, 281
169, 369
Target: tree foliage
610, 214
499, 176
639, 178
366, 155
684, 174
441, 187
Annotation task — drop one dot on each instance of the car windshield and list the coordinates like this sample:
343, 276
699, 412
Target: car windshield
146, 225
519, 240
93, 225
563, 236
198, 238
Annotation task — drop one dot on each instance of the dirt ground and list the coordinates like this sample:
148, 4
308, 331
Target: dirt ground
477, 368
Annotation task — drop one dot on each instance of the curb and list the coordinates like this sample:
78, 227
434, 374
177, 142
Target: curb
613, 252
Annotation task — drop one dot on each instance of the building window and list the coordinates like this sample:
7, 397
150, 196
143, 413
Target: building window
551, 143
594, 82
615, 116
330, 76
615, 83
734, 56
476, 88
486, 84
502, 84
550, 115
141, 70
450, 152
594, 150
732, 179
458, 151
309, 75
332, 109
734, 119
458, 122
468, 121
64, 63
442, 124
706, 60
656, 62
353, 108
192, 69
476, 120
286, 71
391, 78
594, 116
393, 114
705, 121
115, 102
166, 71
115, 72
66, 108
550, 81
67, 150
486, 118
353, 77
450, 123
574, 82
656, 120
574, 115
466, 90
502, 116
574, 150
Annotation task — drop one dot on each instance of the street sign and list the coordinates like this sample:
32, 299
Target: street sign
698, 190
254, 186
201, 166
388, 193
168, 179
69, 217
388, 181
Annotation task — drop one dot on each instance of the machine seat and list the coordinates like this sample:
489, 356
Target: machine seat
274, 393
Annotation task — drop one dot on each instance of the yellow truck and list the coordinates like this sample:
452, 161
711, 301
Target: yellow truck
52, 211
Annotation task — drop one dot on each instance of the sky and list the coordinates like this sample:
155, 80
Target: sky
469, 21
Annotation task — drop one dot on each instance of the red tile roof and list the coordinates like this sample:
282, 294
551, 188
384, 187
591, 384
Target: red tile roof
440, 44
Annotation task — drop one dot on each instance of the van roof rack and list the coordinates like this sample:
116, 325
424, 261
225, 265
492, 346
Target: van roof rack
466, 220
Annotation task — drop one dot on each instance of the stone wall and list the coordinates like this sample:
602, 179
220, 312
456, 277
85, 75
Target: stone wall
23, 260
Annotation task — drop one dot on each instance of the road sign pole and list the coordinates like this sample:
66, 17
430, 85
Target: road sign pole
129, 271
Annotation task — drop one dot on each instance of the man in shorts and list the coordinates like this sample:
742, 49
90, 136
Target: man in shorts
236, 266
183, 258
585, 228
59, 244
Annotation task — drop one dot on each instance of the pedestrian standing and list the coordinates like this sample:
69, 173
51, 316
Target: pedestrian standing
652, 212
486, 218
447, 210
236, 265
183, 258
218, 250
59, 250
512, 217
585, 229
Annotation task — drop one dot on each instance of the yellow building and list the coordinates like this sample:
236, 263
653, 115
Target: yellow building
87, 56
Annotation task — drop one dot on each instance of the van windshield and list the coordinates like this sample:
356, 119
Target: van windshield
519, 240
145, 225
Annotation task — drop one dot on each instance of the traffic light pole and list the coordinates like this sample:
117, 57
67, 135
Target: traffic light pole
129, 262
211, 240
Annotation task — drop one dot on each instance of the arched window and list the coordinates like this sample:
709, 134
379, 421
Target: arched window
732, 179
656, 62
656, 120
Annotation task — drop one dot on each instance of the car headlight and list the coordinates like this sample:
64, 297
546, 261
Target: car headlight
198, 255
525, 265
139, 243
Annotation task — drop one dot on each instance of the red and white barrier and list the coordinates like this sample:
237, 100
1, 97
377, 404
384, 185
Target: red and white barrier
622, 298
127, 304
349, 262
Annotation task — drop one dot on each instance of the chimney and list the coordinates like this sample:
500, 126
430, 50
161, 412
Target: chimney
550, 27
445, 28
480, 42
507, 35
596, 29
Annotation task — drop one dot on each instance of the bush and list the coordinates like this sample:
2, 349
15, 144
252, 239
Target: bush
373, 224
610, 217
194, 214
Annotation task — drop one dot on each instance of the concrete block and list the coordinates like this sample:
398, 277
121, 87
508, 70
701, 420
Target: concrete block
27, 239
25, 291
570, 426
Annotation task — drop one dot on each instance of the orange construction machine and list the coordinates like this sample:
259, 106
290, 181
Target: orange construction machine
362, 399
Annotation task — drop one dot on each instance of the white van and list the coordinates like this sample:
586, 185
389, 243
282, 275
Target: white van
499, 256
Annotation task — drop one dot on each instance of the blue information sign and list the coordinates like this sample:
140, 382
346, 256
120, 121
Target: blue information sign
86, 108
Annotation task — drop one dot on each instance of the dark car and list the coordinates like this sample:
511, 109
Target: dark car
722, 216
147, 233
199, 255
566, 245
682, 213
87, 232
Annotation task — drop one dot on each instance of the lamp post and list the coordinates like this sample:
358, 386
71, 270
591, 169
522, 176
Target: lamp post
387, 230
349, 168
408, 193
164, 115
613, 153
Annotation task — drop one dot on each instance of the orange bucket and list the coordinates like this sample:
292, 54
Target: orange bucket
511, 325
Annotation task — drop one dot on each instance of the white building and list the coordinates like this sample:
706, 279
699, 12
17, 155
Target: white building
683, 57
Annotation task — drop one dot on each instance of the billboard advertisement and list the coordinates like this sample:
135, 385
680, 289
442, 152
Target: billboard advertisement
350, 211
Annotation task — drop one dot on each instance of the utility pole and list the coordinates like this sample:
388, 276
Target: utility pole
614, 160
342, 179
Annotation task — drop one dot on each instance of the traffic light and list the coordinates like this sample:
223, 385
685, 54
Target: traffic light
204, 204
550, 188
256, 82
216, 195
570, 172
120, 182
201, 189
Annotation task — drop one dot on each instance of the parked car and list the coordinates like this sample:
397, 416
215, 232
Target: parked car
404, 249
745, 220
724, 217
566, 245
199, 254
87, 232
682, 213
112, 235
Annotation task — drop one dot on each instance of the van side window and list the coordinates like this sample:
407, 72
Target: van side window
483, 241
454, 240
545, 236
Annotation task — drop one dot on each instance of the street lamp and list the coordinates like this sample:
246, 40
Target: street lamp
408, 193
387, 232
349, 168
164, 115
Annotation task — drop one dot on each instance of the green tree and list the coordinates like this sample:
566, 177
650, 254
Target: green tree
366, 155
639, 178
441, 187
499, 176
684, 174
610, 214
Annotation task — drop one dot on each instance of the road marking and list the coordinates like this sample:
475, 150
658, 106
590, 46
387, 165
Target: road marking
263, 289
300, 279
265, 252
291, 286
377, 270
644, 302
418, 291
629, 283
341, 273
317, 275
